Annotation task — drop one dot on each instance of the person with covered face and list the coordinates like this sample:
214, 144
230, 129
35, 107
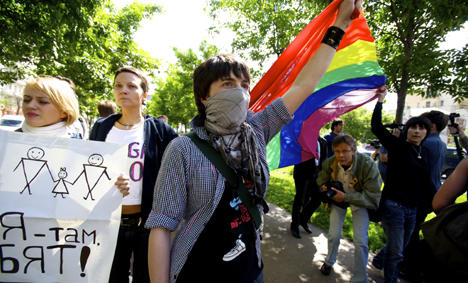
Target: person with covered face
408, 184
218, 238
360, 180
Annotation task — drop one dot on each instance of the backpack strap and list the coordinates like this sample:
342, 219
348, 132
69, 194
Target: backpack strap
230, 175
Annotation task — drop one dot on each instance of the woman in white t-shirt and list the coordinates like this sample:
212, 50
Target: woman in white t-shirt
146, 138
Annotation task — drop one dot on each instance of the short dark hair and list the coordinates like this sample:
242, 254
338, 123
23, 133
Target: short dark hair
213, 69
438, 118
137, 72
419, 120
335, 123
106, 108
347, 139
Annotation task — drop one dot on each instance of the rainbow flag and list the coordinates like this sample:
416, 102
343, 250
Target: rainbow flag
349, 82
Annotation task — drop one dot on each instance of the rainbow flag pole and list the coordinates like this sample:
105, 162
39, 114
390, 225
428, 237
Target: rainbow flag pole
349, 82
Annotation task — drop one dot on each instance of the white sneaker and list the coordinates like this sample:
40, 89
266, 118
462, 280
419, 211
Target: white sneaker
236, 251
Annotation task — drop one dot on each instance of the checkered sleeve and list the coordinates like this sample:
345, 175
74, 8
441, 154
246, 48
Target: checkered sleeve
170, 194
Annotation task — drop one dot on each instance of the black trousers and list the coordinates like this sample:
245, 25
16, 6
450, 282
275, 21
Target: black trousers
132, 240
307, 198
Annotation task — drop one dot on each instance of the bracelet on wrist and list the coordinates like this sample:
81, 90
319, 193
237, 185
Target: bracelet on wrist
333, 36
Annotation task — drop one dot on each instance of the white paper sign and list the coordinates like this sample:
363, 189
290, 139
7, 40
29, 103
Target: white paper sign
59, 208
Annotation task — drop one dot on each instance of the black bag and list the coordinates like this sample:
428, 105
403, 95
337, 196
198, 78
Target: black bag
447, 235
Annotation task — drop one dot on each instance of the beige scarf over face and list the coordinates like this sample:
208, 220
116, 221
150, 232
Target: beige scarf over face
226, 112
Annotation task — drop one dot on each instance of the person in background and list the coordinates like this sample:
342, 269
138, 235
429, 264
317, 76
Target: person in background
106, 108
407, 186
50, 107
163, 118
147, 138
361, 182
218, 238
434, 145
336, 127
308, 197
459, 131
436, 149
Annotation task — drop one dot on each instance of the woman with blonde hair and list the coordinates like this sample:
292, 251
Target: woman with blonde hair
50, 107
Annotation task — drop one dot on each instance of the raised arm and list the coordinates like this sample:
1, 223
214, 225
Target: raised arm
310, 76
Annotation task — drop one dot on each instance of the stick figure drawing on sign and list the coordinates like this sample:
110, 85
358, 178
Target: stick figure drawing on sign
61, 186
32, 166
93, 173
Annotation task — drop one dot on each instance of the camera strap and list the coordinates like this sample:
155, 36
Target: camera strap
230, 176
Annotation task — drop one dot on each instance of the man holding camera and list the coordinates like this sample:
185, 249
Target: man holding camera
458, 131
352, 179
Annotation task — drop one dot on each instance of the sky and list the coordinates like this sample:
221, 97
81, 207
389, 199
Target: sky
184, 24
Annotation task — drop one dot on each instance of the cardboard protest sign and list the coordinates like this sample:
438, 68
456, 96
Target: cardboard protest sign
59, 208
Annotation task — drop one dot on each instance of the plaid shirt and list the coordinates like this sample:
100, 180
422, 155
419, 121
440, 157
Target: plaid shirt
189, 187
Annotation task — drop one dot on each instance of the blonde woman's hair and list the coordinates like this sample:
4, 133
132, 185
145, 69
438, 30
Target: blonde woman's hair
61, 93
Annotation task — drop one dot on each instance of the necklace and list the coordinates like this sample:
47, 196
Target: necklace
417, 152
128, 126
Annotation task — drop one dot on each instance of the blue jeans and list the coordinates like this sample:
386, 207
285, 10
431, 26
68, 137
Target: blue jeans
361, 249
398, 222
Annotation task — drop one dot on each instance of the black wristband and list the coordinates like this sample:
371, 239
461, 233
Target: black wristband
333, 36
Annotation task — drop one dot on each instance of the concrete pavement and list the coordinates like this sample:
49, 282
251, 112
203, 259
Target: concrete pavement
291, 260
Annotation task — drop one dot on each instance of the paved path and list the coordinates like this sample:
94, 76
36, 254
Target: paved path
291, 260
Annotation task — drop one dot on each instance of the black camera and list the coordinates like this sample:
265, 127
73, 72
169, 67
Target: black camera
329, 193
375, 144
395, 126
452, 117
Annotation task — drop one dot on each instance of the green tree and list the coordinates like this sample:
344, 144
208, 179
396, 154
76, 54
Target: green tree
83, 40
263, 28
174, 95
409, 33
357, 123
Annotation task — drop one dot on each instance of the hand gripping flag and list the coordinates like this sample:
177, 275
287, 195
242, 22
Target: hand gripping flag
350, 81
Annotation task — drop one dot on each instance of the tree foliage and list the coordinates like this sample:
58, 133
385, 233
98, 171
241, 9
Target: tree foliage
174, 94
408, 34
264, 28
83, 40
357, 123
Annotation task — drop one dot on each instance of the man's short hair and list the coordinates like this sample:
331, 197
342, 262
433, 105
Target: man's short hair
213, 69
347, 139
335, 123
163, 118
438, 118
106, 108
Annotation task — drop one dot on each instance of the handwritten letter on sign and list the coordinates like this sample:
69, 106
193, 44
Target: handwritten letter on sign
59, 208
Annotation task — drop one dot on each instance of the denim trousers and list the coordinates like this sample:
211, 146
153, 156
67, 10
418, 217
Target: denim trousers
360, 229
398, 222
